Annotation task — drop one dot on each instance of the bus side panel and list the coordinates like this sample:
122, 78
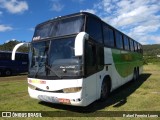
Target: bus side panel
124, 63
115, 77
121, 65
90, 86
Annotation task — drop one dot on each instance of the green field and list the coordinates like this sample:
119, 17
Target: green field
142, 95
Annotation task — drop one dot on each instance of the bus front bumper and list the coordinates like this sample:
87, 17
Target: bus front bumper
74, 99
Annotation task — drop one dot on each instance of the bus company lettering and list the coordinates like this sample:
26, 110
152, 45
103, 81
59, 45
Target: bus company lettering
127, 57
37, 81
36, 38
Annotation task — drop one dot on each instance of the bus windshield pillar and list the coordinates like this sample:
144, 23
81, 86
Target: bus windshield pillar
79, 43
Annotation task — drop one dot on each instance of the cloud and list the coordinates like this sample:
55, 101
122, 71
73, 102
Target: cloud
149, 39
31, 29
138, 18
14, 6
1, 12
89, 10
155, 38
57, 6
4, 28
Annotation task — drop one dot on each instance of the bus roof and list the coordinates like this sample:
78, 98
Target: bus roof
86, 14
68, 16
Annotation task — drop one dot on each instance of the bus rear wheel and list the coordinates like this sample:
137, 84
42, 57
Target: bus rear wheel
0, 73
135, 75
137, 72
104, 90
8, 72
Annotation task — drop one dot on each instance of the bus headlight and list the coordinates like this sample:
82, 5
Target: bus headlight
72, 90
31, 86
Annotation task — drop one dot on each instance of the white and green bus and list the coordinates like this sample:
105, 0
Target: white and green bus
78, 59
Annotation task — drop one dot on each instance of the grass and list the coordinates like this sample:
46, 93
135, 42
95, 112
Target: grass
142, 95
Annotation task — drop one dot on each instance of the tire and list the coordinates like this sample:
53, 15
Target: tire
135, 75
8, 72
105, 90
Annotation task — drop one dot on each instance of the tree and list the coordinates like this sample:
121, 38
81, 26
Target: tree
10, 45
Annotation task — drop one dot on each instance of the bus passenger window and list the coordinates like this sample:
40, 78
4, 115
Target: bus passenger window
108, 36
119, 40
94, 29
135, 46
126, 42
131, 45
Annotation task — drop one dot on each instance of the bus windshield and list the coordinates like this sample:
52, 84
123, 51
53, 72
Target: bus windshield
38, 58
57, 61
60, 27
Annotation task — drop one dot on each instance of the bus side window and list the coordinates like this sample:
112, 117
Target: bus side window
8, 56
119, 40
126, 42
108, 35
24, 57
131, 45
135, 46
94, 29
18, 56
1, 56
90, 58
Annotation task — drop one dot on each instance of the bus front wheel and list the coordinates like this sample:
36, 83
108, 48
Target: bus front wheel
105, 90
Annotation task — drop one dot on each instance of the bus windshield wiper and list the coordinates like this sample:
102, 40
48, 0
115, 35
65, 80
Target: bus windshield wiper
53, 71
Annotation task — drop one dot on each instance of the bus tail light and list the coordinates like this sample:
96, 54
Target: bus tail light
72, 90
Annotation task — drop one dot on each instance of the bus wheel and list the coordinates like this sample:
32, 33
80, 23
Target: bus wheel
135, 75
104, 90
8, 72
0, 73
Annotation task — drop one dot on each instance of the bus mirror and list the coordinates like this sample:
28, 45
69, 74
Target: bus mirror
79, 43
16, 47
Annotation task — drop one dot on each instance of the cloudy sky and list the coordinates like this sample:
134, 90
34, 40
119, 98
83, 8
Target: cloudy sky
139, 19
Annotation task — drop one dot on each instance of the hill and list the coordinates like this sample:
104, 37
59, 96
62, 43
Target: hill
151, 50
151, 53
10, 45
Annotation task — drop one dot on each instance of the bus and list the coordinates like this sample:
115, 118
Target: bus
78, 59
9, 67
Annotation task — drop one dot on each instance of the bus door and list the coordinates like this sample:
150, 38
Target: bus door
94, 63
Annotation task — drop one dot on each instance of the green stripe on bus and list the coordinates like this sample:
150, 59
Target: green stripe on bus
126, 61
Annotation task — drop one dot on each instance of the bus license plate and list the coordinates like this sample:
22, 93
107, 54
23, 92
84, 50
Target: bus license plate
64, 101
